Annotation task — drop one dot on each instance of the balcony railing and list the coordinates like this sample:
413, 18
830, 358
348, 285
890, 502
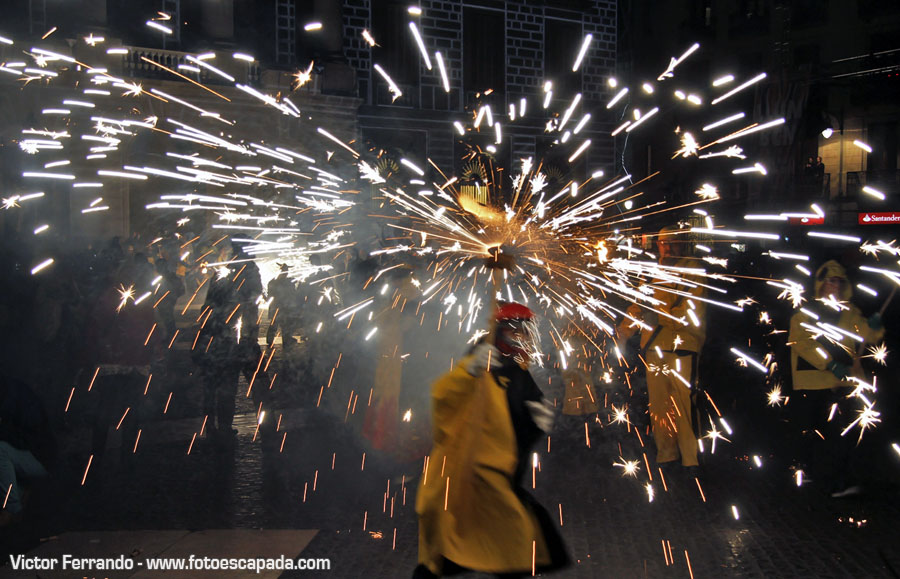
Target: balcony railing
143, 63
887, 182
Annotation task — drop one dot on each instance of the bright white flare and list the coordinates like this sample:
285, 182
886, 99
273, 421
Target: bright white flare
873, 192
584, 48
44, 264
445, 81
862, 146
421, 44
721, 122
160, 27
723, 80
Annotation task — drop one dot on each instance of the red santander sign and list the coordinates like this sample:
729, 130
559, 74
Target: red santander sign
807, 221
889, 218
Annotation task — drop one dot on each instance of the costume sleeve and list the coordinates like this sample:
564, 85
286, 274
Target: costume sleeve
803, 344
860, 325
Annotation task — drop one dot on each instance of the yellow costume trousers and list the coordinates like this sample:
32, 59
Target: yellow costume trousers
670, 407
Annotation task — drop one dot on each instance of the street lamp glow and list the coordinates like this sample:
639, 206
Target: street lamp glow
244, 57
827, 132
862, 146
309, 27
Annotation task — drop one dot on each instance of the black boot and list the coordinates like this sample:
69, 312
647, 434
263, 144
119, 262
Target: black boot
422, 572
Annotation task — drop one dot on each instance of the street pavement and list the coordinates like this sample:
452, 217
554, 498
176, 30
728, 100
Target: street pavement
735, 520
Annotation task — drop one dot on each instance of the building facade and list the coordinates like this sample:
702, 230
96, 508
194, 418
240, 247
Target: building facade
496, 52
831, 64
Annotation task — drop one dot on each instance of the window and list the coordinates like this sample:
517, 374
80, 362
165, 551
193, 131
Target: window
700, 19
562, 41
127, 18
750, 17
869, 9
484, 51
254, 29
397, 53
806, 55
806, 13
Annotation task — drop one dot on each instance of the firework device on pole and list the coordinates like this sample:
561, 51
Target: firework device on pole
498, 260
859, 349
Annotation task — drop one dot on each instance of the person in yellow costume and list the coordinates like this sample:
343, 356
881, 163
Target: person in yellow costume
822, 364
487, 413
671, 342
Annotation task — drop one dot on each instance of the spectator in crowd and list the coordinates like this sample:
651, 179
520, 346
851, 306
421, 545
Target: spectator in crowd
215, 352
285, 318
122, 343
809, 170
581, 393
27, 445
171, 287
820, 176
284, 311
247, 290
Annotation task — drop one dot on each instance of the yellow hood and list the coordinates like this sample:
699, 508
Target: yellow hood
831, 268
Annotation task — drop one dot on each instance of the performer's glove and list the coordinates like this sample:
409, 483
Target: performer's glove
542, 412
478, 360
875, 321
842, 371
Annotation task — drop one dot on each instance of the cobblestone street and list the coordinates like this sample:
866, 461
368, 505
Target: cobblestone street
739, 521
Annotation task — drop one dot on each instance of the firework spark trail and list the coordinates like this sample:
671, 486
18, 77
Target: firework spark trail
570, 248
